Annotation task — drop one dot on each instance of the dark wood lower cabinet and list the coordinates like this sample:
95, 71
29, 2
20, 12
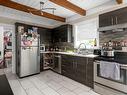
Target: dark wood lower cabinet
78, 68
90, 72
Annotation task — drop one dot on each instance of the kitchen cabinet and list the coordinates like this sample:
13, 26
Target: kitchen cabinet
121, 15
105, 19
78, 68
113, 18
62, 33
90, 72
45, 35
67, 66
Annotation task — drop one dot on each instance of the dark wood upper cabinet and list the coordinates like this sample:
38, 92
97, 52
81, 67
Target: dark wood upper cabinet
45, 35
121, 15
63, 33
105, 19
113, 18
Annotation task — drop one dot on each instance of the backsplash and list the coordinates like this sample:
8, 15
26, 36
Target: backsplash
116, 40
64, 46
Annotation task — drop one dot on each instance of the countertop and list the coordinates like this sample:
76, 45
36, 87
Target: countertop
72, 54
96, 57
120, 61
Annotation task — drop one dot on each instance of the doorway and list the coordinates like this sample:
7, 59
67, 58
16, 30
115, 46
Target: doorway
7, 52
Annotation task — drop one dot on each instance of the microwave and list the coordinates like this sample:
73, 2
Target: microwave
42, 48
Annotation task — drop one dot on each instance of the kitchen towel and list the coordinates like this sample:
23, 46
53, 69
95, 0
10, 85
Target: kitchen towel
110, 70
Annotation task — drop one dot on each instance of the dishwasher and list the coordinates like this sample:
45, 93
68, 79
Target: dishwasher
57, 63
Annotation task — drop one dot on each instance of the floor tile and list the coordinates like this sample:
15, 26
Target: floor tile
54, 85
63, 90
93, 93
46, 83
49, 91
19, 91
33, 91
14, 83
57, 79
79, 90
26, 84
39, 84
69, 93
68, 85
84, 93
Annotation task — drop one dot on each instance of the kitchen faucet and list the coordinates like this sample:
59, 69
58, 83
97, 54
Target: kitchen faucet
79, 47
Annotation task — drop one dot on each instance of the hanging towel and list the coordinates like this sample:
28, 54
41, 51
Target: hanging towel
110, 70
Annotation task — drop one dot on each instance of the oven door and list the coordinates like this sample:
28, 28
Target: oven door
120, 85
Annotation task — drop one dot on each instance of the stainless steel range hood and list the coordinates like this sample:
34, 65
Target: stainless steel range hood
118, 27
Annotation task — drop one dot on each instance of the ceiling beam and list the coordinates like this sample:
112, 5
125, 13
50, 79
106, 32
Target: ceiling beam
119, 1
24, 8
70, 6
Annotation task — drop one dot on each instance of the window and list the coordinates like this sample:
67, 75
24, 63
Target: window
86, 32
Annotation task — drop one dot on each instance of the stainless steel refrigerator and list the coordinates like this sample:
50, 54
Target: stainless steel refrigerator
28, 55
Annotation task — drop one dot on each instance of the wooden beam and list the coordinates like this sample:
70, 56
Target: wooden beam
70, 6
119, 1
24, 8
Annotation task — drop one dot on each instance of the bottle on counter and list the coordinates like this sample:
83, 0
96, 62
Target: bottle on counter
95, 42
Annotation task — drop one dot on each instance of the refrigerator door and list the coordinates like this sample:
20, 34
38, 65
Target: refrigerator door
29, 61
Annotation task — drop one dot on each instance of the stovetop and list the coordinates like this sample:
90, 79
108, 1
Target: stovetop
111, 59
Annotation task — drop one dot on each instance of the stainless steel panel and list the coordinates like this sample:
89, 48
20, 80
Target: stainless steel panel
112, 84
29, 61
106, 91
57, 61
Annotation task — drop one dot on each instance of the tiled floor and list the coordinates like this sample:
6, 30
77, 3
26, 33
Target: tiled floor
46, 83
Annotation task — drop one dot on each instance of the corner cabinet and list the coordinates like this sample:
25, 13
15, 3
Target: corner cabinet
79, 69
118, 16
63, 33
45, 35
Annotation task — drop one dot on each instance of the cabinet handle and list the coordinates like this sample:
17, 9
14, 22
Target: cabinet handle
112, 20
73, 64
76, 65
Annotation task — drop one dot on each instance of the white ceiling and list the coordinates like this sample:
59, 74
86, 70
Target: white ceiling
8, 15
85, 4
88, 4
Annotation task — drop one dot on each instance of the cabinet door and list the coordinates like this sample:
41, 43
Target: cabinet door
45, 36
90, 72
63, 34
67, 66
105, 19
55, 35
80, 75
121, 16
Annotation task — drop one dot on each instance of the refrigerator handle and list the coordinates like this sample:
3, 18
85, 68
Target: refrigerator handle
39, 45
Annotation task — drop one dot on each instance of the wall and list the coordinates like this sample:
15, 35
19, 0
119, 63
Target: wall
1, 40
64, 46
11, 28
117, 37
86, 32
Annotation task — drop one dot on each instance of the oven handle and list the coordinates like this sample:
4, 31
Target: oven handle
122, 66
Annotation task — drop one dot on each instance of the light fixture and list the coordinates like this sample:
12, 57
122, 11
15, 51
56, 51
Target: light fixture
41, 9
